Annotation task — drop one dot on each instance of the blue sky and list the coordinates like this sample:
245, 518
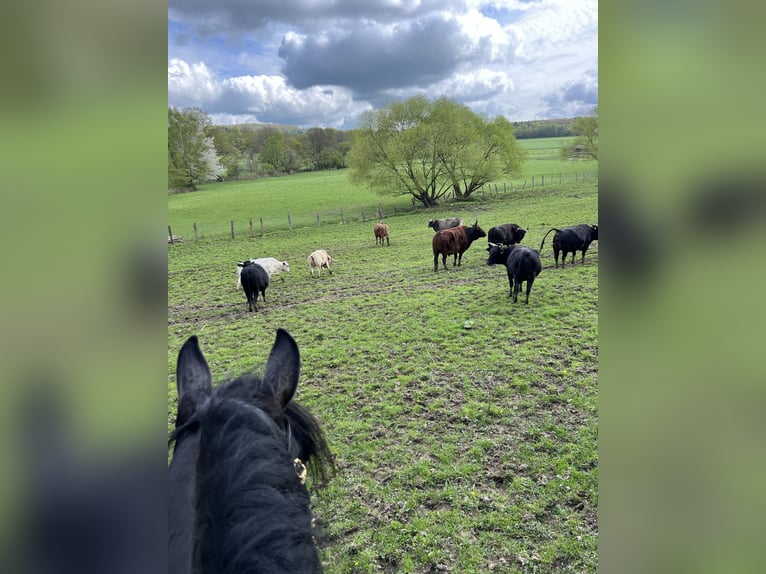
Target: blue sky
321, 63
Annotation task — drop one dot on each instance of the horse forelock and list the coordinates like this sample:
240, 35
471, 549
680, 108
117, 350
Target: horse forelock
248, 494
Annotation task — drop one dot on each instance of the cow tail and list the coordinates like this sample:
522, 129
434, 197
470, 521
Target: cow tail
546, 235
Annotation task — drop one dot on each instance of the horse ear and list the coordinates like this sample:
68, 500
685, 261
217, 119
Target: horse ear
193, 378
283, 368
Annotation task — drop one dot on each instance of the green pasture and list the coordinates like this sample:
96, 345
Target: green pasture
544, 148
330, 194
464, 427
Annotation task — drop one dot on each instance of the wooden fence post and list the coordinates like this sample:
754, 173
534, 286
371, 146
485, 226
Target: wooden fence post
261, 220
289, 221
250, 228
318, 224
380, 212
232, 229
543, 181
341, 216
363, 219
196, 236
170, 235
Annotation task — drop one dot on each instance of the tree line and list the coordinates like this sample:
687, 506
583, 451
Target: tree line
245, 151
543, 128
418, 147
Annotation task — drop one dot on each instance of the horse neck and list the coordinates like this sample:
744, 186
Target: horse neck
181, 485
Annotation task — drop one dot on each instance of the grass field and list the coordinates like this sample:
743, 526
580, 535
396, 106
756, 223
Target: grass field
464, 427
215, 205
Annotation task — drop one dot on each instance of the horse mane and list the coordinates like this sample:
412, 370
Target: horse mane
307, 433
253, 512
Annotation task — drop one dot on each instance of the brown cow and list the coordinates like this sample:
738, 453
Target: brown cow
381, 232
454, 241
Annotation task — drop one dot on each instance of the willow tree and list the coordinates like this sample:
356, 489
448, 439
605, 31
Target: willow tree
428, 148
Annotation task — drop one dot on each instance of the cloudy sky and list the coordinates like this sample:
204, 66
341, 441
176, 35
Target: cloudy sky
320, 63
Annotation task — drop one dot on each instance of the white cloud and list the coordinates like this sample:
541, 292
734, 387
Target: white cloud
558, 25
475, 86
190, 85
267, 99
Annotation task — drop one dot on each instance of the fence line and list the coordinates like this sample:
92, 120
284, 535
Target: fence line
345, 215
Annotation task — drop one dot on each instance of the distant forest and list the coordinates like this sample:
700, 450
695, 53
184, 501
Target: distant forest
250, 149
543, 128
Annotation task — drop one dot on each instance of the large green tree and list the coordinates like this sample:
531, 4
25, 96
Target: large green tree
278, 153
427, 149
192, 158
585, 145
324, 148
225, 140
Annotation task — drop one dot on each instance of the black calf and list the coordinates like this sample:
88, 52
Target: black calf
254, 279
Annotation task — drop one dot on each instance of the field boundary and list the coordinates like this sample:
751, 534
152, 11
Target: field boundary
257, 226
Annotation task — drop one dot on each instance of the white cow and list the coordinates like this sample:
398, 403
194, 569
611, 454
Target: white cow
318, 259
272, 266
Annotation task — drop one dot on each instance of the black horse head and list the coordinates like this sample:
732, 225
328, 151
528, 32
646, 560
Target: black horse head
236, 497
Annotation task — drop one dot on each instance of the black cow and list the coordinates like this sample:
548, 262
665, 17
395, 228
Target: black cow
506, 234
522, 264
454, 241
570, 240
442, 224
254, 279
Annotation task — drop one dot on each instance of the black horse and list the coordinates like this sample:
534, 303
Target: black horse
237, 502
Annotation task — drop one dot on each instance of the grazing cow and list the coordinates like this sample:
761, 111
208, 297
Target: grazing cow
454, 241
506, 234
318, 259
441, 224
570, 240
522, 263
272, 266
381, 232
255, 279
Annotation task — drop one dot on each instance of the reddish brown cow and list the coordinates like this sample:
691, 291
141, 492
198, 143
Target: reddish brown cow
381, 232
454, 241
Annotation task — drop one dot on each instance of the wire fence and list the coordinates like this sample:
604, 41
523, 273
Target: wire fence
258, 226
